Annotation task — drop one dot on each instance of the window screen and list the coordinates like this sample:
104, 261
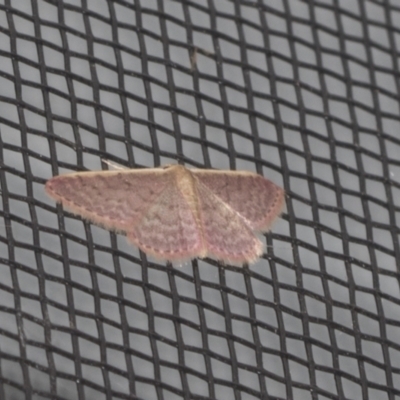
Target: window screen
305, 93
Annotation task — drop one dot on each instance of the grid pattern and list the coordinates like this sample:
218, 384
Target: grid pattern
305, 93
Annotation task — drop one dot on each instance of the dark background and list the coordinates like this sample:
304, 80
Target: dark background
305, 93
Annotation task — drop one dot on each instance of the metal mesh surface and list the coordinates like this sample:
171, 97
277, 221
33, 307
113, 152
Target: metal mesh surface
305, 93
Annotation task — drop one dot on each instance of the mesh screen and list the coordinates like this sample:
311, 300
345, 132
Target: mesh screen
305, 93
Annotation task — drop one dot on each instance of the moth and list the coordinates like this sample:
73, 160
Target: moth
174, 213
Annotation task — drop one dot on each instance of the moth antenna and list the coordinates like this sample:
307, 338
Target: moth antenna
113, 164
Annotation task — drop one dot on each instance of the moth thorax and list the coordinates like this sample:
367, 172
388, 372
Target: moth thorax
185, 182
